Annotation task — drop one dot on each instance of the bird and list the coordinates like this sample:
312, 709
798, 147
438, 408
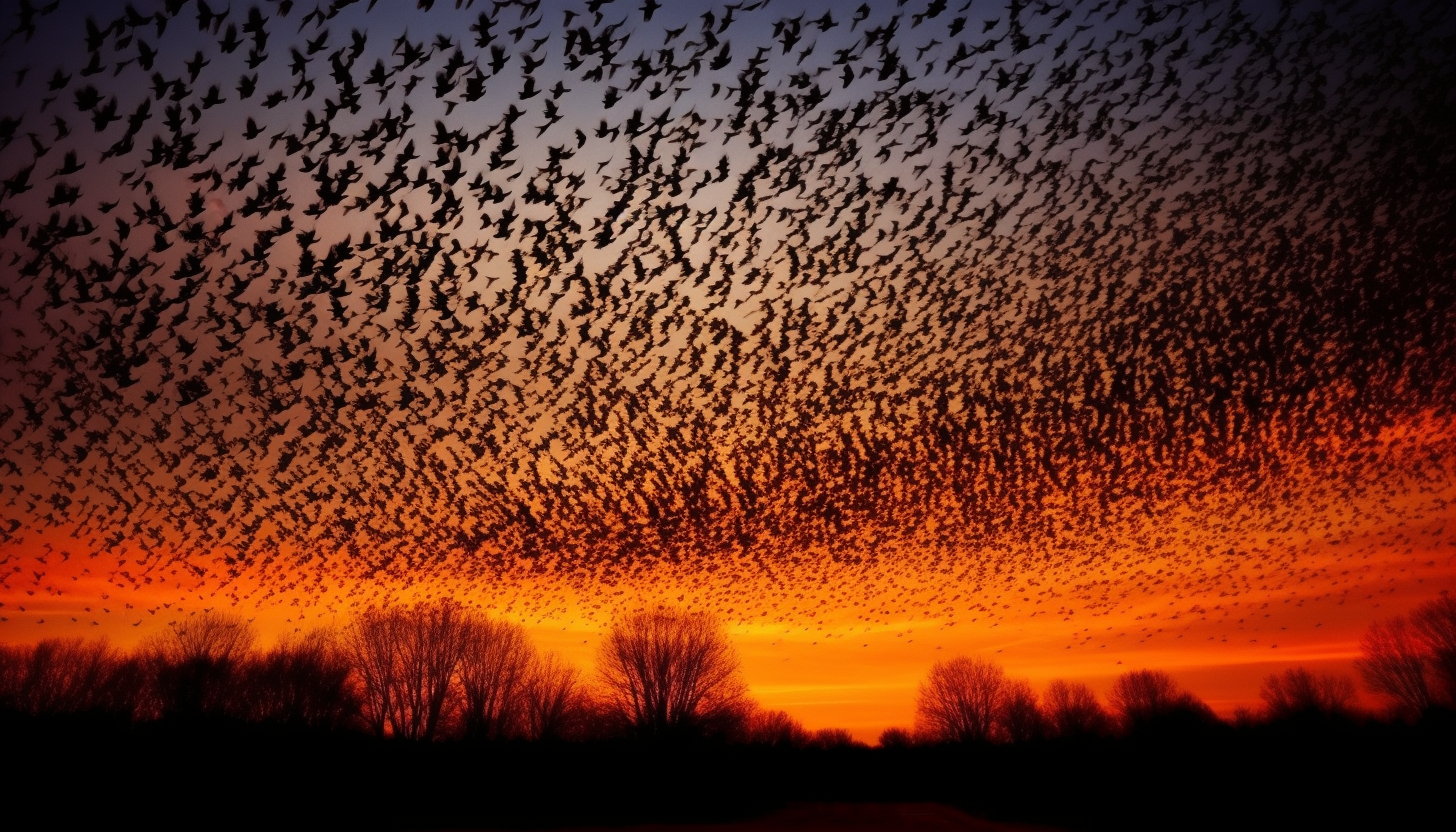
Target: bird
1061, 297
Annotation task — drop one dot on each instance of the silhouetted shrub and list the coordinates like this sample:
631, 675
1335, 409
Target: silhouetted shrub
1072, 709
1299, 693
1150, 700
193, 667
774, 728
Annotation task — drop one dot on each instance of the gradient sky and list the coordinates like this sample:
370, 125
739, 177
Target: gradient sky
1085, 337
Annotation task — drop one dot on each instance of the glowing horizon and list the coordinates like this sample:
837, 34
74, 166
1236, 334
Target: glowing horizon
1078, 337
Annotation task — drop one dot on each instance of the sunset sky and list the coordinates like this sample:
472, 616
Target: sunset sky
1082, 337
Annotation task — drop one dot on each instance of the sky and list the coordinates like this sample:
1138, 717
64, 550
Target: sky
1082, 337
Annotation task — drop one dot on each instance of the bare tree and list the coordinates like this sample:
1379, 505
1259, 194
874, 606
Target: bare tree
671, 673
897, 737
59, 676
1412, 662
193, 665
827, 738
1072, 709
1145, 698
960, 700
219, 636
493, 676
556, 701
406, 658
372, 644
1393, 664
302, 681
1019, 717
1299, 692
1435, 626
775, 728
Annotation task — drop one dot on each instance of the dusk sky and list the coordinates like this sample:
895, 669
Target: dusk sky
1081, 337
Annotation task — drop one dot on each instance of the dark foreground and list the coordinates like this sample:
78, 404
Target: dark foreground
841, 817
80, 773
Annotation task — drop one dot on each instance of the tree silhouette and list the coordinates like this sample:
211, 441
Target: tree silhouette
827, 738
69, 676
1019, 717
406, 658
556, 703
302, 681
671, 673
960, 700
494, 666
1072, 709
1393, 664
1145, 699
1435, 626
194, 664
1412, 662
897, 737
774, 728
1298, 692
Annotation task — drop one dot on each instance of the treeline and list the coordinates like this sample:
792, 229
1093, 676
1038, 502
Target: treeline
424, 672
968, 700
481, 730
440, 671
1408, 662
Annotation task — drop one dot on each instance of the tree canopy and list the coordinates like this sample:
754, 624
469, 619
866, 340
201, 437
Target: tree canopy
671, 673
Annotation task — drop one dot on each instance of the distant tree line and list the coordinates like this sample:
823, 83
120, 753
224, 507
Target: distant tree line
418, 672
438, 670
971, 700
1410, 662
422, 672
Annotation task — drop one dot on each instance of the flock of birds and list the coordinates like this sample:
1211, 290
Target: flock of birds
317, 295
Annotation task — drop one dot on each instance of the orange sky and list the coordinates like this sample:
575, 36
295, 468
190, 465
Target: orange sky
1082, 342
1212, 591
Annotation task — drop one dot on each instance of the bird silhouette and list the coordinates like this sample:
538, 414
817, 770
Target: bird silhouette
748, 296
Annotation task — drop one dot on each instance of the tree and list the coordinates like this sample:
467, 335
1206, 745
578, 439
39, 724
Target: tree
829, 738
774, 728
68, 675
1393, 664
303, 681
897, 737
1151, 698
1019, 717
1298, 692
1435, 626
1072, 709
671, 673
406, 658
493, 675
556, 702
1412, 662
959, 701
211, 635
194, 665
